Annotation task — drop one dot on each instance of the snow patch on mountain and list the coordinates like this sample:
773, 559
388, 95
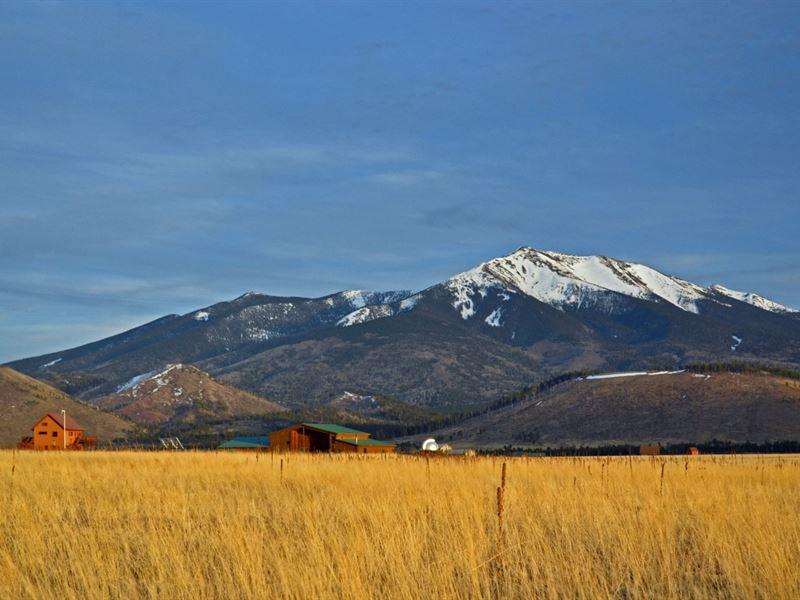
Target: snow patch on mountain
259, 334
630, 374
361, 298
160, 378
51, 363
410, 303
134, 381
616, 375
676, 291
201, 315
465, 286
737, 341
264, 312
365, 314
493, 320
754, 300
377, 305
357, 298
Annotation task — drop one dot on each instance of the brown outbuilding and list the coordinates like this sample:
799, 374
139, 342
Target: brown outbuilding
325, 437
649, 449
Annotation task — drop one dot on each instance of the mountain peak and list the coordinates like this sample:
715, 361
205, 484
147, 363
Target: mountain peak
247, 295
566, 280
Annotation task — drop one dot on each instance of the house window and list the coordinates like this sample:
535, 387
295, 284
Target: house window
55, 434
42, 433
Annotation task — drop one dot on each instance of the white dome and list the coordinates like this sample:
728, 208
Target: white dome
430, 445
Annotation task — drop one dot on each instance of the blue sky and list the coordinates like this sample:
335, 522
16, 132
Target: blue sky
159, 157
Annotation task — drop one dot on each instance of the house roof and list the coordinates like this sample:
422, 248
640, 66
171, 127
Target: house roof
245, 442
330, 428
72, 424
367, 442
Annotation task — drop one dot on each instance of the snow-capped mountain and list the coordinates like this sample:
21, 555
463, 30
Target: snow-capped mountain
569, 282
487, 330
564, 280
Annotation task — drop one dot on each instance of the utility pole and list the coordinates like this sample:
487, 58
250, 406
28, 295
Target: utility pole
64, 415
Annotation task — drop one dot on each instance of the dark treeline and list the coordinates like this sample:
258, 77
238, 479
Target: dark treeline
742, 367
711, 447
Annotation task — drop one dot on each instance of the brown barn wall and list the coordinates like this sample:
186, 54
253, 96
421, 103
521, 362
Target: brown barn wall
379, 449
280, 441
350, 436
342, 447
300, 439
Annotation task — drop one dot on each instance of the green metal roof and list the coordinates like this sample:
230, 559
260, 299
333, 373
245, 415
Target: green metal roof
366, 442
245, 442
334, 428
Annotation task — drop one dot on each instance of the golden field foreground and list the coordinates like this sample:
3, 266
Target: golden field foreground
215, 525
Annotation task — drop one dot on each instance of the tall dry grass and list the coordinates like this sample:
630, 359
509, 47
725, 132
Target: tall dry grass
214, 525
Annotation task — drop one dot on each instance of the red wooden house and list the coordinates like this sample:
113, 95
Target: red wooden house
57, 432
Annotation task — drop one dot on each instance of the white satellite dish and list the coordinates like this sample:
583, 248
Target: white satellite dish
430, 445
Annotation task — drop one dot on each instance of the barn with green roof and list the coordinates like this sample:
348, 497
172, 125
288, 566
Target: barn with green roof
326, 437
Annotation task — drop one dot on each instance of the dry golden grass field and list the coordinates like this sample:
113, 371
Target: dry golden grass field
213, 525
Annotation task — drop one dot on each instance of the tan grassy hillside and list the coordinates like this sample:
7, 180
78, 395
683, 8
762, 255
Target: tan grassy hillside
182, 393
24, 399
656, 408
236, 525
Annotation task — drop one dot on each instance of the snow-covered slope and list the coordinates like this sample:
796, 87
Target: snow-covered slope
391, 304
367, 313
360, 298
564, 280
755, 300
